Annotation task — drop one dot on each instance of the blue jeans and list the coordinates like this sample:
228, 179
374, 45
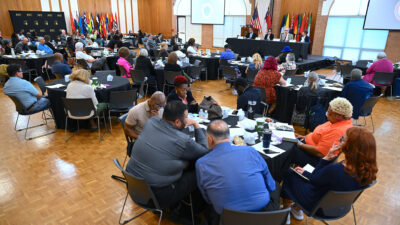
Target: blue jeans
42, 104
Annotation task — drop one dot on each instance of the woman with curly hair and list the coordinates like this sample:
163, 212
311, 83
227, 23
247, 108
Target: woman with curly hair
358, 169
267, 78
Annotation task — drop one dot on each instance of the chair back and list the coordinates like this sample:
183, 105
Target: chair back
49, 62
122, 119
123, 99
41, 84
224, 62
366, 108
383, 78
83, 64
234, 217
346, 69
236, 56
363, 63
229, 72
336, 204
197, 62
18, 106
105, 72
138, 76
79, 108
263, 94
194, 72
290, 72
138, 189
122, 69
169, 76
251, 75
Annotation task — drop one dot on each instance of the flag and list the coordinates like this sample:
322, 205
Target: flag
255, 20
309, 24
283, 23
116, 22
92, 22
72, 21
76, 22
287, 21
89, 24
103, 23
298, 27
107, 23
295, 26
111, 22
302, 24
84, 24
268, 15
292, 23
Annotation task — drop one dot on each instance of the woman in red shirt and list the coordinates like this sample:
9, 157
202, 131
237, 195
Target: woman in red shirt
267, 78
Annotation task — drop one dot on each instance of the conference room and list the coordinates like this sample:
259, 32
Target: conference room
199, 112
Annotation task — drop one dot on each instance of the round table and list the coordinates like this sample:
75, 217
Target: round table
211, 62
32, 63
55, 96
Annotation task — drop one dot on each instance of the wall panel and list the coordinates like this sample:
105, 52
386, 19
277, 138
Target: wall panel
155, 16
94, 6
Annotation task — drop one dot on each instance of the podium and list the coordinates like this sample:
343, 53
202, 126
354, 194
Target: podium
245, 29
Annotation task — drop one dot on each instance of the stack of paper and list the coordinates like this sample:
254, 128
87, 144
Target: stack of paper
285, 135
55, 86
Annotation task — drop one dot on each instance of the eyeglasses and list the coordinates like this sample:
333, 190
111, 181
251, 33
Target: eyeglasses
160, 106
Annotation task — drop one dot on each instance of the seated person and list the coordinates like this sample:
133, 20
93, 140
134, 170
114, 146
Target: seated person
181, 93
159, 38
71, 46
304, 37
163, 51
172, 65
357, 170
281, 58
63, 37
178, 52
79, 88
286, 36
59, 67
269, 36
115, 43
267, 78
163, 161
357, 91
256, 63
381, 65
227, 54
22, 46
123, 54
235, 177
140, 113
144, 64
24, 91
43, 47
21, 34
82, 39
7, 47
94, 64
191, 47
48, 43
290, 63
318, 142
247, 93
307, 93
151, 44
251, 34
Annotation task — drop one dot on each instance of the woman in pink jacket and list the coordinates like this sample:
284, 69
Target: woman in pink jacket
382, 65
123, 54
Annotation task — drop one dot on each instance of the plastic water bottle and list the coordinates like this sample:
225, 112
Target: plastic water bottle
205, 114
201, 113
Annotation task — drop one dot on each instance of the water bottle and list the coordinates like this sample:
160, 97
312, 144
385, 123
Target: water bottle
205, 114
12, 52
251, 109
201, 113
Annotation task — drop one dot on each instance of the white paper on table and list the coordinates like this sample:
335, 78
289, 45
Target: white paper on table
259, 147
246, 120
55, 86
334, 88
285, 135
236, 132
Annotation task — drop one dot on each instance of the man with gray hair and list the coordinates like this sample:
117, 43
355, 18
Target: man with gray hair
220, 172
94, 64
22, 46
357, 91
43, 47
286, 36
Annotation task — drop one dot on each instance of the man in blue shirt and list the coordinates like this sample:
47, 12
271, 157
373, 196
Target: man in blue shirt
247, 93
357, 91
227, 54
234, 177
59, 67
24, 91
43, 47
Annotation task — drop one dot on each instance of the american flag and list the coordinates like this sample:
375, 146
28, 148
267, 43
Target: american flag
255, 20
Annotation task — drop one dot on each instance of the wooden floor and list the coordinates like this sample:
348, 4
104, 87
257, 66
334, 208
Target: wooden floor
48, 181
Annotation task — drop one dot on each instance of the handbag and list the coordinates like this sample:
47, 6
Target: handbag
298, 118
214, 110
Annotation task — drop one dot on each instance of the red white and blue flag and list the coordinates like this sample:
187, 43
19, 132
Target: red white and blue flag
255, 20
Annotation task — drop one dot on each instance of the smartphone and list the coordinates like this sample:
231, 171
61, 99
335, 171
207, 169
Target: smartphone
268, 151
234, 112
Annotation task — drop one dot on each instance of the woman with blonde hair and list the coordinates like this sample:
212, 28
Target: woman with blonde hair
164, 51
79, 88
256, 63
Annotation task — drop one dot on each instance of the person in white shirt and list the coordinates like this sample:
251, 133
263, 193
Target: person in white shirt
94, 64
191, 49
178, 52
79, 88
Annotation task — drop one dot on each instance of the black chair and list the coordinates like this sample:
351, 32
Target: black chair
105, 72
234, 217
366, 110
251, 75
83, 64
169, 78
138, 77
346, 70
81, 109
24, 67
236, 56
21, 110
290, 72
141, 193
363, 63
41, 84
229, 74
202, 66
195, 72
335, 205
49, 62
383, 79
264, 100
121, 102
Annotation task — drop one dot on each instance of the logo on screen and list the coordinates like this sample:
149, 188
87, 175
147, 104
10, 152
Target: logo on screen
207, 10
397, 11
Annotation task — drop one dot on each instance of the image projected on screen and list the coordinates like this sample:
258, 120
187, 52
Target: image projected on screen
383, 15
208, 11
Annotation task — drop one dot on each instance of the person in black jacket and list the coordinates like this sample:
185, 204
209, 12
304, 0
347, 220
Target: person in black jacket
247, 93
182, 93
172, 65
143, 63
48, 43
7, 47
306, 93
269, 36
114, 43
14, 39
163, 51
251, 34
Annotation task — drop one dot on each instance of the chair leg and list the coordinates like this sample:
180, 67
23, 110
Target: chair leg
27, 125
16, 122
98, 127
354, 215
191, 208
109, 119
372, 121
136, 216
66, 128
161, 213
307, 220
